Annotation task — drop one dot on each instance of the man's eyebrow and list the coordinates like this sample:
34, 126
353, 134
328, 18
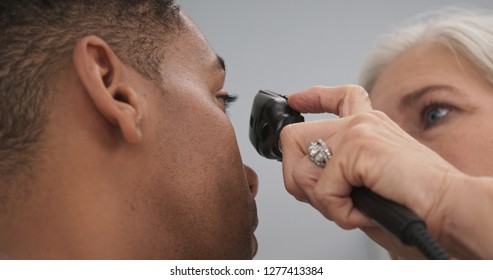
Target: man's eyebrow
410, 99
220, 62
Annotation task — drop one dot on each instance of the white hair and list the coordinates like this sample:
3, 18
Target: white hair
467, 32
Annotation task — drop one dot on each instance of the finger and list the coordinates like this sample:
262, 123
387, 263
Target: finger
343, 101
295, 139
303, 177
332, 193
335, 207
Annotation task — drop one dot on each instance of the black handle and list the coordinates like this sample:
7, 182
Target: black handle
391, 216
399, 221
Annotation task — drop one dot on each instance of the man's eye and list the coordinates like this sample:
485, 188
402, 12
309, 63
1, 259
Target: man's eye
228, 100
433, 114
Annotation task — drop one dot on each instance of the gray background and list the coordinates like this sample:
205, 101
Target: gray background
287, 46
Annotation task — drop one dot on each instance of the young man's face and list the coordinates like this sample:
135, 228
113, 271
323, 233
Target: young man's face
195, 200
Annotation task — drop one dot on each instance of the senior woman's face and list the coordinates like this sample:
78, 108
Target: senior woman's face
444, 101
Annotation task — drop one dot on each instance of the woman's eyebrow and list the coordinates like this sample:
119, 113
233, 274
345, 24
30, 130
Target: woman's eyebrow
410, 99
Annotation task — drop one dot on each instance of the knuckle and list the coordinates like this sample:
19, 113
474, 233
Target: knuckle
358, 91
330, 208
345, 225
381, 116
361, 130
289, 184
306, 176
373, 118
293, 190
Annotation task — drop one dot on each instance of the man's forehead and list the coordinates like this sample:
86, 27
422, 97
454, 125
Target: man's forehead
198, 42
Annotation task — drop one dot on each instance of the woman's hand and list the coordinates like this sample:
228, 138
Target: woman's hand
368, 149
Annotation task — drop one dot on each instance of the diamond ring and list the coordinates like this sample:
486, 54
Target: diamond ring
319, 153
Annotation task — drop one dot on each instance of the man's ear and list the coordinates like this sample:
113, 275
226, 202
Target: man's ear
101, 73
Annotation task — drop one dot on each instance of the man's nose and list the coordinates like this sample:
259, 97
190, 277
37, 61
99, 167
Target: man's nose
252, 179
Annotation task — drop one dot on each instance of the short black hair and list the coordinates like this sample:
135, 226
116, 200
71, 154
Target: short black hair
36, 35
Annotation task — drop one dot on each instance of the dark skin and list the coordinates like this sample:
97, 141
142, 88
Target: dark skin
128, 171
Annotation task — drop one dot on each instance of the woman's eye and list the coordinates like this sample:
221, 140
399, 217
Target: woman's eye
434, 114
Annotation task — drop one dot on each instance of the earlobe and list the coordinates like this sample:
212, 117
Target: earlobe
102, 75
